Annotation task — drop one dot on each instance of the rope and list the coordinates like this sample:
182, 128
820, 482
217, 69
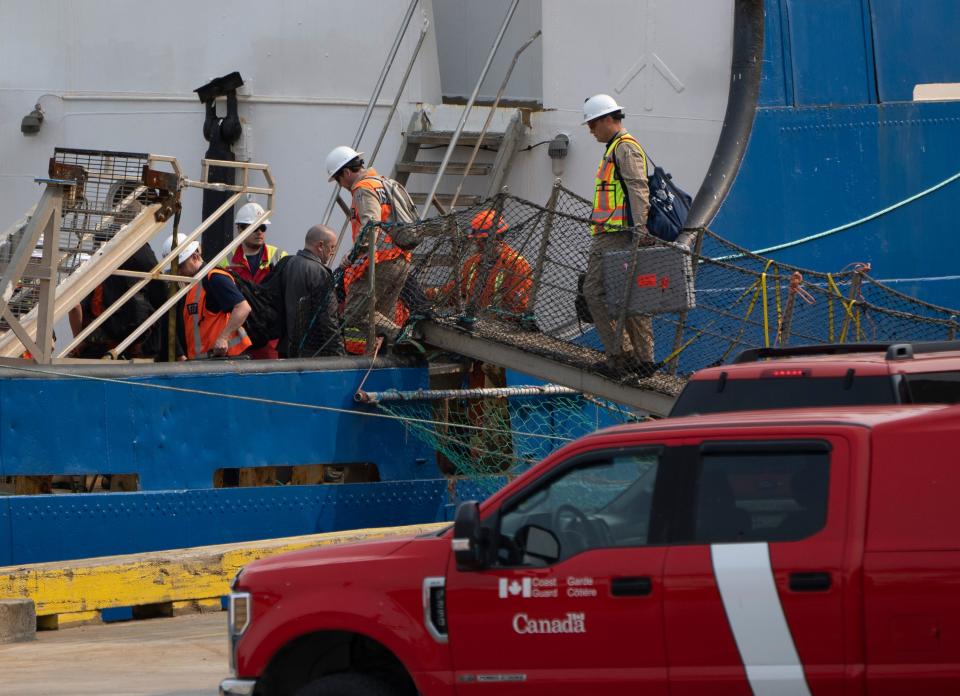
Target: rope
275, 402
766, 311
868, 218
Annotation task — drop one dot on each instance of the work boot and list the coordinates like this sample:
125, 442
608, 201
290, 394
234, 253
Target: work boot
615, 366
645, 368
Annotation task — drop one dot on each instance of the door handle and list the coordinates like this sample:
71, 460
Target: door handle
809, 582
631, 587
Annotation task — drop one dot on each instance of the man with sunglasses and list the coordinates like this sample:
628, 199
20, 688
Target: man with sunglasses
254, 260
620, 206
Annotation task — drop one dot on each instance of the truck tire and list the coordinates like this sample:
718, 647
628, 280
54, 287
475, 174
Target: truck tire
346, 684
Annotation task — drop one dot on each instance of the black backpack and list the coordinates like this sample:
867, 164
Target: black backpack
265, 322
669, 204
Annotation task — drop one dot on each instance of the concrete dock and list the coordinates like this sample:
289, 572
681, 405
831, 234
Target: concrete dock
179, 656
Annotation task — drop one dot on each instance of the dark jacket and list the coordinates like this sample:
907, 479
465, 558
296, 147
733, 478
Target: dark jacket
311, 326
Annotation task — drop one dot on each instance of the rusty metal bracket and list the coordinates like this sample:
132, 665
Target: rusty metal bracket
164, 181
68, 172
167, 185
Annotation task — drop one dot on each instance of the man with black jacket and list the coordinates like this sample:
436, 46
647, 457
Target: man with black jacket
311, 326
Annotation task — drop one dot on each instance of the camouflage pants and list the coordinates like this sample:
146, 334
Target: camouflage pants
636, 336
390, 277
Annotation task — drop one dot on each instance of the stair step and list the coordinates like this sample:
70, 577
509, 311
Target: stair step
463, 200
443, 137
478, 169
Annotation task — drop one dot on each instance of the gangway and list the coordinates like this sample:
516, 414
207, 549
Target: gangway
551, 359
517, 303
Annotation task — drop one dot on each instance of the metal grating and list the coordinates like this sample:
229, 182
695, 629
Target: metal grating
110, 193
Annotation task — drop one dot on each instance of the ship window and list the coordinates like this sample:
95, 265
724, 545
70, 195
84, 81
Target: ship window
300, 475
52, 483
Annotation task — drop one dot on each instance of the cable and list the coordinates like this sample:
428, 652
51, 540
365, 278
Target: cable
530, 147
868, 218
274, 402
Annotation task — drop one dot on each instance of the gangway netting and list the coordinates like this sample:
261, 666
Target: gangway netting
706, 302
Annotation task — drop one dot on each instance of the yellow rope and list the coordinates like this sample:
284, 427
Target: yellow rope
776, 277
766, 311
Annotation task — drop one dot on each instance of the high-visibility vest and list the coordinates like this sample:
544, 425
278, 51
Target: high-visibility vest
202, 327
508, 283
609, 198
355, 337
238, 263
385, 247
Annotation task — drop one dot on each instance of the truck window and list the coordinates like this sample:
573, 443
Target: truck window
702, 396
599, 504
933, 387
756, 496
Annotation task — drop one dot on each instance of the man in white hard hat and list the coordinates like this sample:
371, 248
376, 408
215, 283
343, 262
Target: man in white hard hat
213, 309
620, 205
254, 260
372, 203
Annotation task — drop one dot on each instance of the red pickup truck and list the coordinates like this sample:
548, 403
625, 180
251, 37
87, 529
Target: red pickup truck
809, 551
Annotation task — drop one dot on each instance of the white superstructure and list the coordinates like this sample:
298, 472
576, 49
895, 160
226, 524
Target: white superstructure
120, 76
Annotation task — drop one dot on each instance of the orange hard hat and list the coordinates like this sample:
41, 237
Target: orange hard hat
483, 221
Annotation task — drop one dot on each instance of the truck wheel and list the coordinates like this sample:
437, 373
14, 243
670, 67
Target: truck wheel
346, 684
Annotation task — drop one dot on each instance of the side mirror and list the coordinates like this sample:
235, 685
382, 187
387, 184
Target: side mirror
468, 537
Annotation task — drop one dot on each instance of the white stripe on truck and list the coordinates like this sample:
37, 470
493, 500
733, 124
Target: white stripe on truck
745, 579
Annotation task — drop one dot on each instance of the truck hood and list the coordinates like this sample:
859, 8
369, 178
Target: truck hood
328, 554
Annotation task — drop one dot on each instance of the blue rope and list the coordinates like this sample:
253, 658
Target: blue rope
868, 218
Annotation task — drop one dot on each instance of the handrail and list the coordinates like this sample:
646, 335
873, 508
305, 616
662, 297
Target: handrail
373, 99
396, 98
466, 110
493, 109
386, 123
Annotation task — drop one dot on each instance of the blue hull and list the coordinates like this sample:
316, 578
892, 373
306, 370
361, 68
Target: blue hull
837, 137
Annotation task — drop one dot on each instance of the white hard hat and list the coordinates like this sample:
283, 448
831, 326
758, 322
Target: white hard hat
185, 253
338, 157
249, 213
599, 105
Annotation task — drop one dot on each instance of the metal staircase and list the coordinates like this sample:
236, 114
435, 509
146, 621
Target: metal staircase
430, 132
98, 208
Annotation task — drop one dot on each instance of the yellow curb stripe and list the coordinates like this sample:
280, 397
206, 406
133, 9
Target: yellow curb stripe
200, 573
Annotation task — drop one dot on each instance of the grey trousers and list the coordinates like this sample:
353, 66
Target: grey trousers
390, 277
636, 337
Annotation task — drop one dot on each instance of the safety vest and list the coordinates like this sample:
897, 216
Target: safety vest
202, 327
355, 337
385, 247
508, 283
609, 198
238, 263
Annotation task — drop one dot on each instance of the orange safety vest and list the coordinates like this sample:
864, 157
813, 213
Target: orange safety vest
508, 283
202, 327
609, 197
355, 338
385, 248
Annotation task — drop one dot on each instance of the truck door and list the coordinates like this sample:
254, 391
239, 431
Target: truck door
571, 603
754, 581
